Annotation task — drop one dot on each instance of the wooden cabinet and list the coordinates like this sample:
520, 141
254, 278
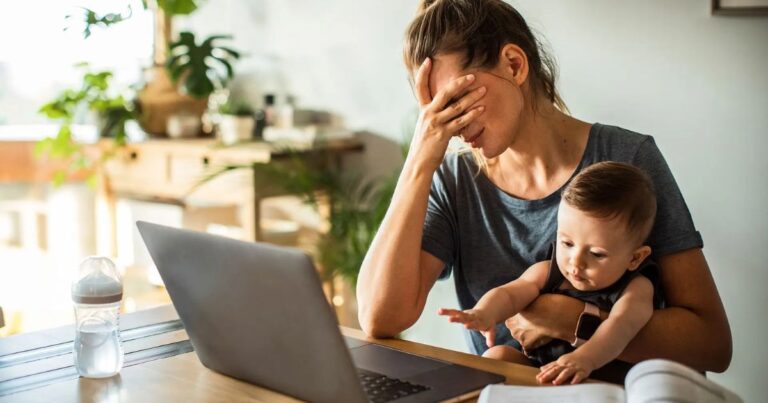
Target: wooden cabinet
171, 171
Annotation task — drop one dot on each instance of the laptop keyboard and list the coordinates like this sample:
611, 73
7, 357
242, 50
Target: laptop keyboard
381, 388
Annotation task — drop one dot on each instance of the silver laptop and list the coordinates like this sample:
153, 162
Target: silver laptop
257, 312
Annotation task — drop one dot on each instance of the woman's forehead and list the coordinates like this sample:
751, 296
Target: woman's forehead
444, 69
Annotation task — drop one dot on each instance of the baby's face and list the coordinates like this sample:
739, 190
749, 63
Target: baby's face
592, 253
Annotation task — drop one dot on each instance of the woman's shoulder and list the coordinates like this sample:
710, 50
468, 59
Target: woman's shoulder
459, 170
608, 142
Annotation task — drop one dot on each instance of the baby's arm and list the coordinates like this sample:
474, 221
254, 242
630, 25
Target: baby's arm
630, 313
501, 302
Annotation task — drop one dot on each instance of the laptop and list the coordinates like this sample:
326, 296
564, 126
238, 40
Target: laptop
257, 312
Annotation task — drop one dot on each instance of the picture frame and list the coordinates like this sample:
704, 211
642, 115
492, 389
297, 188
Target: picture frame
740, 7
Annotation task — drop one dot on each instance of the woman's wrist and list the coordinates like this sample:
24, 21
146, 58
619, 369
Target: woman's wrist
417, 171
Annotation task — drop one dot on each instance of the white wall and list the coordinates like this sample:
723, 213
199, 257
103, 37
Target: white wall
697, 83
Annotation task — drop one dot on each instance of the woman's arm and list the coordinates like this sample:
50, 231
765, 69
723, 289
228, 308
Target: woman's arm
396, 275
693, 329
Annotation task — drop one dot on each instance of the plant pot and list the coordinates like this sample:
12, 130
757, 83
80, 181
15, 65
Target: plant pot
159, 99
233, 129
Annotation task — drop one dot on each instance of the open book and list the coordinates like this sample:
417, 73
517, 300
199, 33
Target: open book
648, 381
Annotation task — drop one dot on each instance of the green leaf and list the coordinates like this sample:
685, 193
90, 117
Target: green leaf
91, 19
178, 7
80, 163
59, 177
230, 52
228, 66
98, 80
209, 41
92, 181
43, 147
189, 64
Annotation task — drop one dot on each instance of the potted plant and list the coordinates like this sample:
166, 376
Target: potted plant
237, 122
180, 79
358, 205
94, 96
200, 69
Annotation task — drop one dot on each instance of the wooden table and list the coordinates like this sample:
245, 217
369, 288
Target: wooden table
161, 366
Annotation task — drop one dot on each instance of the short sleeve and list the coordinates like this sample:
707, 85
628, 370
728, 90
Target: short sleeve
440, 224
673, 230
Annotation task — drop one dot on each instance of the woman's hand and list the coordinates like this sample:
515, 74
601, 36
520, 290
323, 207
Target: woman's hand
441, 117
472, 319
571, 366
549, 316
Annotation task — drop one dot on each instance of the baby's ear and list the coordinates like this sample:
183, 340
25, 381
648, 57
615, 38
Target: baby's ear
638, 256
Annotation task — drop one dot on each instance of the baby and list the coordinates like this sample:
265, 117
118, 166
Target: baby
605, 215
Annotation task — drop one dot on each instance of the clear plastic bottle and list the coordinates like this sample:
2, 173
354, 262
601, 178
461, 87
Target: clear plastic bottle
96, 294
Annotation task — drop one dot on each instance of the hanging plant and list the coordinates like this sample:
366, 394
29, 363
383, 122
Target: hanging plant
200, 69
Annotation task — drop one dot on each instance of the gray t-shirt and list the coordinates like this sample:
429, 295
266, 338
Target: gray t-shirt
487, 237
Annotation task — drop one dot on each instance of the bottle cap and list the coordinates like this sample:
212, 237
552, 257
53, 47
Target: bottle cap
98, 282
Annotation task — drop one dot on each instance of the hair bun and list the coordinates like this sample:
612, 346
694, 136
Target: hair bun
424, 5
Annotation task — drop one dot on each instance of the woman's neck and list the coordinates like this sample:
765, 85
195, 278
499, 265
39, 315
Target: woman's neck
543, 155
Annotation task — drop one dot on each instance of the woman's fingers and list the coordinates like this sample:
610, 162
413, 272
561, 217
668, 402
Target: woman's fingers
455, 126
451, 91
421, 83
459, 107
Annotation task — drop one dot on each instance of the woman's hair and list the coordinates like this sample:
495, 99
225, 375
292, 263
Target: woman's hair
479, 29
614, 189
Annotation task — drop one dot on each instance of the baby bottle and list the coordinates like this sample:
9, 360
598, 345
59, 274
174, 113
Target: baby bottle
96, 293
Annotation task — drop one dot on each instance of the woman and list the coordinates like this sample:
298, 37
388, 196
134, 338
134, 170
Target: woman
486, 216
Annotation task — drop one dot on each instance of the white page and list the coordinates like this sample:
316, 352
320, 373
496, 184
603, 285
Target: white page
663, 380
584, 393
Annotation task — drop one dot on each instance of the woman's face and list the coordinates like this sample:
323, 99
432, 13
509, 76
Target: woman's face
494, 130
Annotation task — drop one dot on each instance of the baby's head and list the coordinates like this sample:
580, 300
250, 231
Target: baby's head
605, 215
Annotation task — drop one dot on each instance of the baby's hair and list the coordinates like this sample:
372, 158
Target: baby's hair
613, 189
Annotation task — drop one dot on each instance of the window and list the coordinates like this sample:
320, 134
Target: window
37, 57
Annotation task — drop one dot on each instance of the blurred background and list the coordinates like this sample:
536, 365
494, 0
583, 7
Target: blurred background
141, 133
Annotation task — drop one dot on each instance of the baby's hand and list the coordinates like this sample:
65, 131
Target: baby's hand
472, 319
569, 366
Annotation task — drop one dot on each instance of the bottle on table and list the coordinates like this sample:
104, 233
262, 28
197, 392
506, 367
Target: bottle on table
96, 293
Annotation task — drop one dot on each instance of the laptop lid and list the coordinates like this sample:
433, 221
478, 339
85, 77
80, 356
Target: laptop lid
248, 308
